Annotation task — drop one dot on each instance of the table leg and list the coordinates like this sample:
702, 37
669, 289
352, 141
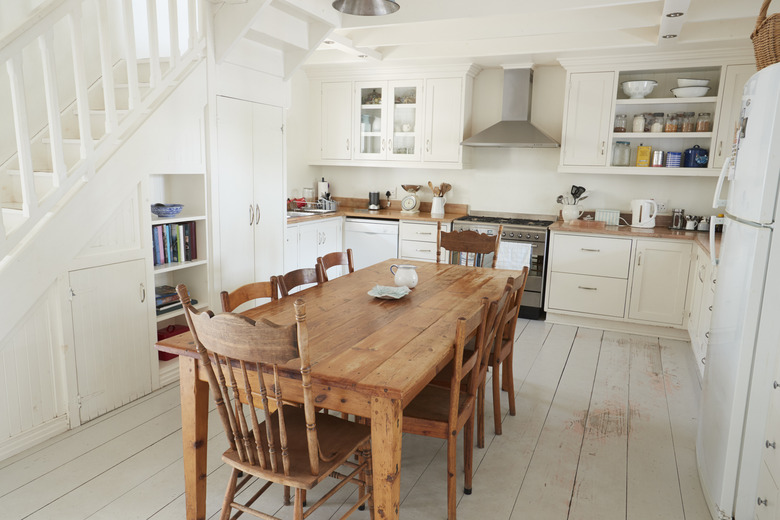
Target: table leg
386, 417
195, 434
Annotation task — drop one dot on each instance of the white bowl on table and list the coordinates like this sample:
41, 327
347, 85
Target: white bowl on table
690, 92
638, 89
690, 82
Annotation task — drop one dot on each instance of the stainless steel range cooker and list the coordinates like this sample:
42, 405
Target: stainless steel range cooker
523, 228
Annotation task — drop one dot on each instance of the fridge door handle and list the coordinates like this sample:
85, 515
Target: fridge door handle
713, 253
717, 202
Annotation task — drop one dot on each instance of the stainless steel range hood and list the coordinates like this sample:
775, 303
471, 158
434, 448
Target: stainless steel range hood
514, 130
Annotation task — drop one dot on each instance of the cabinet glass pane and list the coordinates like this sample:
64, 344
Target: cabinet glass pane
371, 120
404, 118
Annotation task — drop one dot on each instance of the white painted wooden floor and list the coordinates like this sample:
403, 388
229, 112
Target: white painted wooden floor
605, 429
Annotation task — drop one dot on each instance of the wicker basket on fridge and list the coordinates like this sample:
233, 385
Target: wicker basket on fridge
766, 38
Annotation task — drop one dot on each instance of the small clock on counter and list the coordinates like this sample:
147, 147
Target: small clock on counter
411, 201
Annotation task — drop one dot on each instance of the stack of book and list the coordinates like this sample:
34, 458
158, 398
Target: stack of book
167, 300
174, 243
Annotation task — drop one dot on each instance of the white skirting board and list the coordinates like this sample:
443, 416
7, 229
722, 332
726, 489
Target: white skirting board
618, 326
34, 436
169, 371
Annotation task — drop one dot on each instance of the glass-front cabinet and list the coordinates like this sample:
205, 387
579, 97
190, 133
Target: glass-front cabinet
389, 125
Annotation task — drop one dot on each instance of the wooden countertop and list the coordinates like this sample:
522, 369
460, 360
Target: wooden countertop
392, 213
583, 226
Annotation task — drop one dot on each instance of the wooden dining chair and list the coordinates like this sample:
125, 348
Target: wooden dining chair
292, 446
500, 356
334, 259
467, 247
248, 292
441, 412
304, 276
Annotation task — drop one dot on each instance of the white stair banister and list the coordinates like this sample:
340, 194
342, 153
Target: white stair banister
80, 76
46, 42
154, 44
173, 28
29, 199
134, 96
106, 67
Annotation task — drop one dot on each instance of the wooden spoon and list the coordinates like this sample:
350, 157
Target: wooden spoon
445, 188
430, 185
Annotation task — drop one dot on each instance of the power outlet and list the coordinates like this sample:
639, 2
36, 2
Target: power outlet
393, 193
662, 206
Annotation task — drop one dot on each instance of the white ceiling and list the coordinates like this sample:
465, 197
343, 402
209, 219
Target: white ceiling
492, 33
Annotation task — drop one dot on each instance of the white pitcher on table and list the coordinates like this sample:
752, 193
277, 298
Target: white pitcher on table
405, 274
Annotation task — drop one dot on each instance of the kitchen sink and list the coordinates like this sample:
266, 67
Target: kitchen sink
298, 214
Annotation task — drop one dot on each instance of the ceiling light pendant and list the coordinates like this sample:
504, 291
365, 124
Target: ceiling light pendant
366, 7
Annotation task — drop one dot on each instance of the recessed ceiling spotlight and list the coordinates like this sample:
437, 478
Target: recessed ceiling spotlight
366, 7
363, 56
669, 36
675, 15
328, 42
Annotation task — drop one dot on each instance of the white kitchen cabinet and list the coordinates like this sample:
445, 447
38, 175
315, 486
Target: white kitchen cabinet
336, 120
310, 240
443, 120
702, 287
767, 495
588, 113
417, 239
734, 81
389, 120
251, 177
660, 281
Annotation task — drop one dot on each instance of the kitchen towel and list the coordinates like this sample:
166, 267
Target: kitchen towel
513, 255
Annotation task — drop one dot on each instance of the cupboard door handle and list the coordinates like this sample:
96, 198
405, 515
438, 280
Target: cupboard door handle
428, 145
251, 214
639, 259
383, 145
704, 361
770, 444
603, 147
348, 144
143, 295
257, 213
707, 334
590, 250
720, 147
775, 385
587, 288
710, 308
390, 144
762, 502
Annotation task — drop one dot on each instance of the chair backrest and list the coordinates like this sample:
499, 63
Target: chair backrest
468, 328
234, 350
495, 318
334, 259
467, 247
304, 276
250, 291
516, 286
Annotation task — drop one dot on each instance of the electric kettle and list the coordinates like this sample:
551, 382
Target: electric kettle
643, 213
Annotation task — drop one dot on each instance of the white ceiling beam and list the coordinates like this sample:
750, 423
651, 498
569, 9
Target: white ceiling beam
342, 43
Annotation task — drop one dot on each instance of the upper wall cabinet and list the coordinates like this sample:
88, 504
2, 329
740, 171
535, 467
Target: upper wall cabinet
604, 128
410, 119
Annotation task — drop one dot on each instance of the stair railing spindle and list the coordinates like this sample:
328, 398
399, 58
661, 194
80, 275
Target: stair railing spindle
87, 146
192, 12
22, 131
107, 67
173, 29
154, 44
46, 43
134, 97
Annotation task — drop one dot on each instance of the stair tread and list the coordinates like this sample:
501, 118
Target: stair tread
35, 172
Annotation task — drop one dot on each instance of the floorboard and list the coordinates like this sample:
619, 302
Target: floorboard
605, 429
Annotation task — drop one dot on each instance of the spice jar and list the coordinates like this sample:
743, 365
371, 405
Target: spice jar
704, 122
657, 123
620, 123
671, 123
621, 153
638, 123
688, 122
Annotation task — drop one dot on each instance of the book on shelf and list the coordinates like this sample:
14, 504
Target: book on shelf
173, 243
173, 307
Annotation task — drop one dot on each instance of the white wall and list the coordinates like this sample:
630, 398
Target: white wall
518, 180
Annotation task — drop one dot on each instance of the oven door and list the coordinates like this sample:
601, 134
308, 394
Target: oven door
534, 287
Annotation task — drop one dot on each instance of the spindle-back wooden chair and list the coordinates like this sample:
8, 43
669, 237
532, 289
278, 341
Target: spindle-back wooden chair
467, 247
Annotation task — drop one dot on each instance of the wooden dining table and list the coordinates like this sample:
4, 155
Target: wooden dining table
370, 357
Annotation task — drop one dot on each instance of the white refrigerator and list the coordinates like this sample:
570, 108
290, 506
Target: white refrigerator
745, 332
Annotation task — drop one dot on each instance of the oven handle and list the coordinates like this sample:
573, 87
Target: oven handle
521, 242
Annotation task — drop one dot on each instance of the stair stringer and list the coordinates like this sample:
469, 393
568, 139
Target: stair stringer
60, 236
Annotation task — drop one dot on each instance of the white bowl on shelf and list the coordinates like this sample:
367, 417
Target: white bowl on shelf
689, 92
689, 82
638, 89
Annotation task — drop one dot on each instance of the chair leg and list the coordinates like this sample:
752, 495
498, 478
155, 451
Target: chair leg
300, 496
468, 455
497, 397
452, 448
287, 495
230, 495
510, 382
481, 415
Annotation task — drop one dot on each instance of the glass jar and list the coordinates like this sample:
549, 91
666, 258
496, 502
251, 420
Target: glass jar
672, 123
621, 153
620, 123
704, 122
688, 122
657, 122
638, 125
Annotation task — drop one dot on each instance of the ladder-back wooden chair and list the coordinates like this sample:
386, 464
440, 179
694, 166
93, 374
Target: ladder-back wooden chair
467, 247
442, 412
293, 446
304, 276
248, 292
503, 349
334, 259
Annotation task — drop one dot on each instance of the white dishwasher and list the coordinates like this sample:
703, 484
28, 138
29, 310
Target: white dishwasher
371, 240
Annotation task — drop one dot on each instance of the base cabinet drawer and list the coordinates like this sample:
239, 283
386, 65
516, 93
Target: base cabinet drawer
418, 231
418, 250
589, 294
597, 256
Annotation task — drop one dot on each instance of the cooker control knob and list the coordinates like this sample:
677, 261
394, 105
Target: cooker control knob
503, 233
511, 234
536, 237
528, 236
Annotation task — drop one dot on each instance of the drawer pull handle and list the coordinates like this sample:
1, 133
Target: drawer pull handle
423, 232
770, 444
710, 308
762, 502
424, 251
590, 250
775, 385
587, 288
707, 334
704, 361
